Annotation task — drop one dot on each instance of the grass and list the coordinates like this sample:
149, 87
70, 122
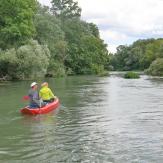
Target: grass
131, 75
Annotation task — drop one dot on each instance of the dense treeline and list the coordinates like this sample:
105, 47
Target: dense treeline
141, 55
37, 40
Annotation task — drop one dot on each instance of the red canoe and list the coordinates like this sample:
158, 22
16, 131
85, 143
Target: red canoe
43, 110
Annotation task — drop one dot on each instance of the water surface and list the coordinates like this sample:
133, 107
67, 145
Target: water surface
101, 119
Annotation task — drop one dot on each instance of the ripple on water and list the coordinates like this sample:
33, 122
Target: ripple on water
101, 120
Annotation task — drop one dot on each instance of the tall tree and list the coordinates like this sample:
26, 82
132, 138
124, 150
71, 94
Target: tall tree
48, 30
65, 9
16, 22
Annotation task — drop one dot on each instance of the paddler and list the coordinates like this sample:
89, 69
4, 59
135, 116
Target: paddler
35, 101
46, 94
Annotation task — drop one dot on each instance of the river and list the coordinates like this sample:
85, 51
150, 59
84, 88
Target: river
100, 120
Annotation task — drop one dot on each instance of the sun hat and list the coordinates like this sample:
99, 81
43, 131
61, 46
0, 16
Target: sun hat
33, 84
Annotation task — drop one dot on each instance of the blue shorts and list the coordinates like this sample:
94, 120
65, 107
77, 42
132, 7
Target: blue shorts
32, 106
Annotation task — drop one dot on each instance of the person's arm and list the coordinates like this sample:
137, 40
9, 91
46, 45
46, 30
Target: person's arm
40, 94
51, 94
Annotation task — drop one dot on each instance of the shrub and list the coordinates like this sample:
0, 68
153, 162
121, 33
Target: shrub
156, 67
97, 69
33, 59
56, 69
131, 75
28, 61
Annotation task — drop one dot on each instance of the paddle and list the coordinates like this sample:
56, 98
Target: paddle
25, 98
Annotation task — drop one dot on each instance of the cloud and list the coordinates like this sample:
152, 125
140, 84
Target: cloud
112, 48
115, 37
123, 21
45, 2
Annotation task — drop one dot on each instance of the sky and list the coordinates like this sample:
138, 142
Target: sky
121, 22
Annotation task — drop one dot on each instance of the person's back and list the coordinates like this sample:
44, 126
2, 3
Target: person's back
46, 94
34, 97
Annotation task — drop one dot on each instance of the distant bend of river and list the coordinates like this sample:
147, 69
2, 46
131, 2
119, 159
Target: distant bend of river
100, 120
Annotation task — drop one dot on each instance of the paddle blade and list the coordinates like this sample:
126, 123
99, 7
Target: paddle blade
25, 97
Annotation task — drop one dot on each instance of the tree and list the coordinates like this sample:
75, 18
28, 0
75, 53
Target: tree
65, 9
156, 67
28, 61
89, 57
49, 32
16, 22
48, 29
94, 30
63, 44
137, 56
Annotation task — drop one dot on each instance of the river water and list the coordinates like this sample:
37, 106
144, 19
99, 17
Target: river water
101, 119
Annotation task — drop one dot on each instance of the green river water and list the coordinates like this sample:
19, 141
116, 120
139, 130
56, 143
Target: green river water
100, 120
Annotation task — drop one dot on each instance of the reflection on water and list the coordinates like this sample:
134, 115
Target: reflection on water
106, 119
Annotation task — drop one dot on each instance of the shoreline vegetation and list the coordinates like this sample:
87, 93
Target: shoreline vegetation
142, 55
40, 41
131, 75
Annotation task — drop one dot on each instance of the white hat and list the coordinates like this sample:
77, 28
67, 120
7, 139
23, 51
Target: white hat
33, 84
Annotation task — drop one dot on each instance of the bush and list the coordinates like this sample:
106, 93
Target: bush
8, 63
56, 69
28, 61
97, 69
156, 67
33, 59
131, 75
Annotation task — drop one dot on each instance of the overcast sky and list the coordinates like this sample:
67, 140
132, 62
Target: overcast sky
122, 22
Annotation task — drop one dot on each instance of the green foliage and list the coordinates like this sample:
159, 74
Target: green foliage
93, 29
48, 29
65, 9
8, 63
49, 32
85, 48
56, 69
61, 49
16, 22
74, 44
97, 69
33, 59
137, 56
156, 68
74, 29
65, 44
28, 61
131, 75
